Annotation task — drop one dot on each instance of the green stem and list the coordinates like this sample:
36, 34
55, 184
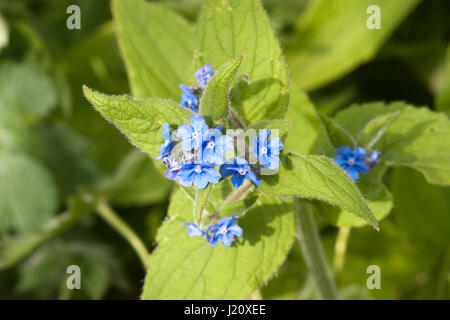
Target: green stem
313, 252
121, 227
201, 200
340, 248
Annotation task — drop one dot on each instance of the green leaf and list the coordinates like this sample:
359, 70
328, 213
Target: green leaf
318, 177
139, 120
157, 47
443, 97
307, 126
28, 194
137, 182
337, 135
375, 129
378, 198
230, 28
13, 249
417, 137
215, 99
422, 211
189, 268
283, 126
27, 93
333, 38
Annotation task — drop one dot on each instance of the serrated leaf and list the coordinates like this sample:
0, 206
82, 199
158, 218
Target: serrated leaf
283, 126
215, 99
139, 120
417, 137
337, 135
378, 198
318, 177
230, 28
189, 268
375, 129
28, 193
333, 38
157, 47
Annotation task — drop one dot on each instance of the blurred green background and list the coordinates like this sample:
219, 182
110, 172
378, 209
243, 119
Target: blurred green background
57, 155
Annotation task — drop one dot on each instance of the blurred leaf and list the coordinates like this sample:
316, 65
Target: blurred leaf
231, 28
15, 248
214, 103
375, 129
338, 136
4, 33
307, 126
333, 38
318, 177
137, 182
417, 137
183, 267
376, 194
157, 47
28, 194
139, 120
443, 98
422, 211
44, 273
26, 92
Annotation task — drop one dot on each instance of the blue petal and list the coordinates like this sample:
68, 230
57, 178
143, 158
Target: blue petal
252, 177
166, 131
237, 180
213, 175
344, 151
359, 153
353, 173
361, 166
227, 240
193, 230
201, 180
341, 162
235, 230
275, 146
185, 131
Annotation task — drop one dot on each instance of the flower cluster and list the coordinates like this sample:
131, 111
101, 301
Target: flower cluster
195, 155
225, 230
194, 160
356, 161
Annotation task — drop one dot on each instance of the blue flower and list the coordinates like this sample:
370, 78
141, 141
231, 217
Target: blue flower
204, 74
214, 147
167, 146
193, 135
198, 175
267, 151
372, 159
194, 230
224, 231
239, 170
188, 99
351, 162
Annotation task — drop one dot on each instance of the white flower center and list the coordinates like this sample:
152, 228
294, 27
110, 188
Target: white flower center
198, 169
195, 135
211, 144
242, 171
351, 161
263, 150
223, 230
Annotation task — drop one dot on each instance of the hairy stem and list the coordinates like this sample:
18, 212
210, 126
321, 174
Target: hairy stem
235, 118
313, 252
237, 194
340, 248
105, 211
